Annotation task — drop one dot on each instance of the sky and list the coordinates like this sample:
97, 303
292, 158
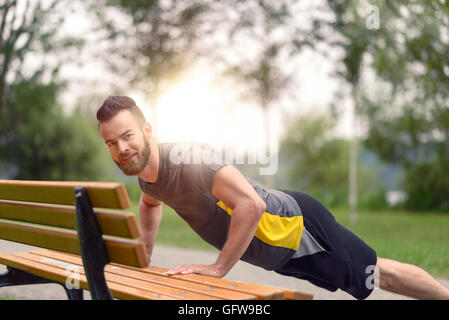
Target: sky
196, 108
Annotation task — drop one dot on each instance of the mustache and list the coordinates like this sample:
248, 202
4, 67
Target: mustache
127, 155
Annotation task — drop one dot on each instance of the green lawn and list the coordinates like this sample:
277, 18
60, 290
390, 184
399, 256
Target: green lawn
175, 231
420, 239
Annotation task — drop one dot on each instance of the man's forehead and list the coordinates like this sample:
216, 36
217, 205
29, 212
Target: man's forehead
118, 125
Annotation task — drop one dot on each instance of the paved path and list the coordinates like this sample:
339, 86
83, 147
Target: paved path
168, 257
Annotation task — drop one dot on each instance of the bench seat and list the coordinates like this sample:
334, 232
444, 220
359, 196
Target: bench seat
127, 282
86, 233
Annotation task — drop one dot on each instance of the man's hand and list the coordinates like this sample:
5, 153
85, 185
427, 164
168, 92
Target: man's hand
207, 270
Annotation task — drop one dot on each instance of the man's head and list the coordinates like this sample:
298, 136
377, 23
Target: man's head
126, 133
114, 104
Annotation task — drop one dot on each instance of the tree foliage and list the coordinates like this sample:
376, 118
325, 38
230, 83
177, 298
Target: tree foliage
37, 139
317, 163
156, 40
407, 106
44, 144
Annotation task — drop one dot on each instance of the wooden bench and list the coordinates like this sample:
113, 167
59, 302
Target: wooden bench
89, 243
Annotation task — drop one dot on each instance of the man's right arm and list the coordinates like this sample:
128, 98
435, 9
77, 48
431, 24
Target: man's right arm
150, 214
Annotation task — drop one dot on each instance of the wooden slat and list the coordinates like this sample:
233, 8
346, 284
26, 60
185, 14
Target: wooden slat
120, 250
164, 280
297, 295
59, 274
101, 194
177, 293
120, 224
262, 292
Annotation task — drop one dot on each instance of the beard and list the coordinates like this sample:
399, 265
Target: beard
138, 163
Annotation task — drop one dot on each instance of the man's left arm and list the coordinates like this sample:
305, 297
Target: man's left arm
232, 188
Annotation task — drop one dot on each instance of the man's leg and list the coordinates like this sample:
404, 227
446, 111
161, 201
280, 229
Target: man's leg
409, 280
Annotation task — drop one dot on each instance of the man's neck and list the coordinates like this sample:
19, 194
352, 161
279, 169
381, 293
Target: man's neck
151, 170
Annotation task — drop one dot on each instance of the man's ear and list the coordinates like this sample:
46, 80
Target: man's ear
147, 130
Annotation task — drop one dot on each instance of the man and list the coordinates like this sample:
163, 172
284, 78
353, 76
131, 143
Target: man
285, 231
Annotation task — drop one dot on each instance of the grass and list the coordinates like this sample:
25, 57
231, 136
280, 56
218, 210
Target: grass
174, 231
421, 239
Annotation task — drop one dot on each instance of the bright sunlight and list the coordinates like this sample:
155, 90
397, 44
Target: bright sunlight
197, 109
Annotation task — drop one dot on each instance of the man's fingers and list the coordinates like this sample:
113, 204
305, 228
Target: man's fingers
180, 270
194, 268
187, 271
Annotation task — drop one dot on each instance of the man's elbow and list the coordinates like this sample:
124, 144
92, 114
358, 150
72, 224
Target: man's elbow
262, 206
258, 207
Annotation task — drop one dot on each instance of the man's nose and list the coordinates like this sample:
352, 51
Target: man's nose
123, 147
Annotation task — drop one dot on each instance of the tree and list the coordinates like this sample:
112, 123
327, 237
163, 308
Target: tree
150, 43
406, 108
263, 76
247, 41
316, 162
37, 139
354, 41
44, 144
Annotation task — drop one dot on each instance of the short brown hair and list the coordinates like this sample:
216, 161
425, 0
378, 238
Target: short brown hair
114, 104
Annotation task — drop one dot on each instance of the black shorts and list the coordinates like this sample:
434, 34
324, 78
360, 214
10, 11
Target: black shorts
344, 262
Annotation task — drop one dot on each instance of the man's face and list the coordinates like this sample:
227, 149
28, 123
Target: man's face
126, 142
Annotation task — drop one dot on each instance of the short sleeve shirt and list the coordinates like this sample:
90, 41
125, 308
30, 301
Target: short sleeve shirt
185, 177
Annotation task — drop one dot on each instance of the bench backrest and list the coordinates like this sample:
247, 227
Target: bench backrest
43, 214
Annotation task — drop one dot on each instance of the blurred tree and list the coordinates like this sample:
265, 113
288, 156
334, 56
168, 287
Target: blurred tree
273, 28
407, 107
316, 162
29, 29
247, 40
44, 144
353, 40
37, 140
151, 42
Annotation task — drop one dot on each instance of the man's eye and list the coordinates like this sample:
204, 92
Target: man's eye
111, 144
128, 136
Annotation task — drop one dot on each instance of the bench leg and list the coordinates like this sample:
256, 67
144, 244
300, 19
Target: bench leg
73, 294
16, 277
92, 246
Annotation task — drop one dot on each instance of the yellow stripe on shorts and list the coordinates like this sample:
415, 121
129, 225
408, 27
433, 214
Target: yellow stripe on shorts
275, 230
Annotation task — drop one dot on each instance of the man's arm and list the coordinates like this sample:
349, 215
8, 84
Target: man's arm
150, 214
231, 187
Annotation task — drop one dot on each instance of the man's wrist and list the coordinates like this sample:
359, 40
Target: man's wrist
222, 269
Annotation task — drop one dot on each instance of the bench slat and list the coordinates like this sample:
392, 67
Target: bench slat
60, 274
120, 250
262, 292
165, 280
101, 194
297, 295
257, 290
128, 281
120, 224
